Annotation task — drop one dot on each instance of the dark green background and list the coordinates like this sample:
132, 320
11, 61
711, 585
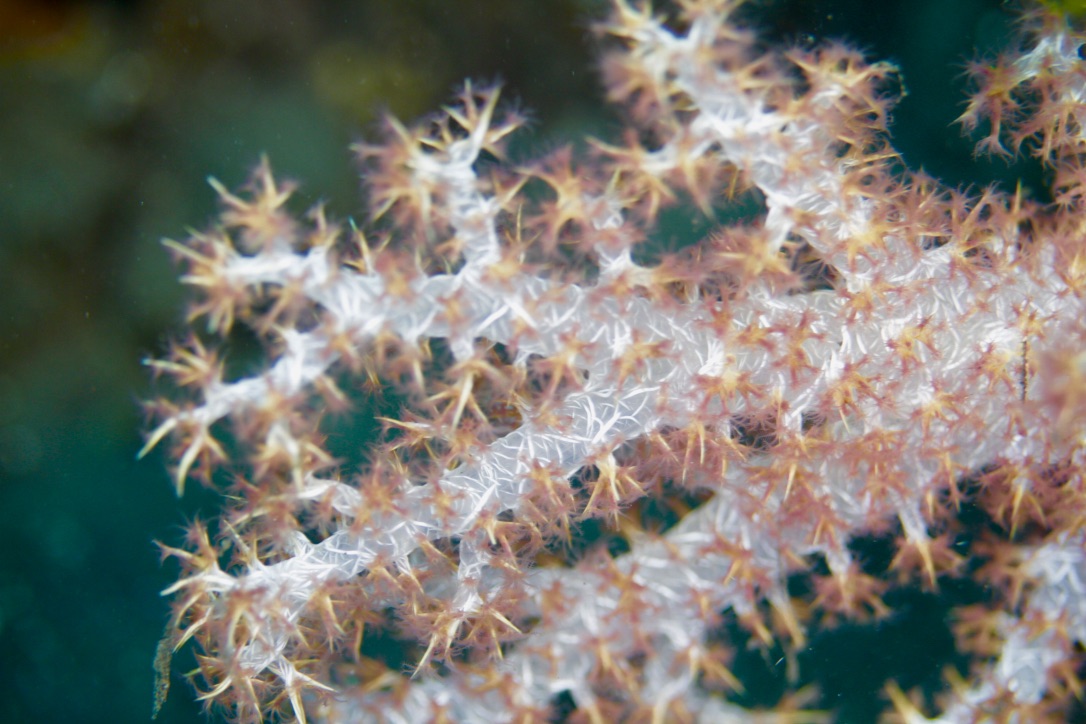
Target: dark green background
111, 116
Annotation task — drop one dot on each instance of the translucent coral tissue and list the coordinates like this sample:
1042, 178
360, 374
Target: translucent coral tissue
868, 355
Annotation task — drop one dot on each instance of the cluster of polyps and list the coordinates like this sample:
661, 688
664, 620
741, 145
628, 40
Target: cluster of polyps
870, 352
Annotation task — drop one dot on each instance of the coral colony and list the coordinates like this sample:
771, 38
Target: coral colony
869, 355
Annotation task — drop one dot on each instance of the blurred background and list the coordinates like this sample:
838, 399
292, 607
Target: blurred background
113, 114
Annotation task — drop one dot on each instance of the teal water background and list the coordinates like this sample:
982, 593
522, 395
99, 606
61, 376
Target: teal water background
112, 114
